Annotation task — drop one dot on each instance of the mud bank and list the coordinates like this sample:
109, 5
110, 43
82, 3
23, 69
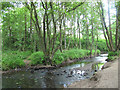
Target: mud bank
106, 78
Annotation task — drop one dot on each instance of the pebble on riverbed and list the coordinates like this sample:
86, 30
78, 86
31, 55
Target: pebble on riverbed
64, 71
57, 74
95, 70
32, 71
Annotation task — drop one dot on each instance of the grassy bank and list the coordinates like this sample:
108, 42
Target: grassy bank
38, 57
15, 59
113, 55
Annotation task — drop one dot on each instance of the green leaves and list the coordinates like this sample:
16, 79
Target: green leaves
13, 59
6, 5
37, 58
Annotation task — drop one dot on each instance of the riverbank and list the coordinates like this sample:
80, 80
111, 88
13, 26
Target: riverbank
106, 78
19, 59
38, 67
54, 78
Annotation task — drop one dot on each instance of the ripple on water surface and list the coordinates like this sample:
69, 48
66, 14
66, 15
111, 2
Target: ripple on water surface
55, 78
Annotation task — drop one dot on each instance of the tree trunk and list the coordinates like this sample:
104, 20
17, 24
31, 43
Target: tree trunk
92, 44
109, 23
54, 24
117, 36
102, 22
44, 32
10, 31
65, 33
79, 32
25, 33
68, 40
108, 35
38, 28
96, 45
60, 27
87, 33
31, 26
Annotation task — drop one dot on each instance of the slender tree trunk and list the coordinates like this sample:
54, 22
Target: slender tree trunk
110, 23
10, 31
79, 32
117, 36
92, 44
34, 41
87, 39
48, 35
74, 37
92, 47
60, 27
70, 33
31, 26
10, 34
96, 45
60, 35
108, 35
38, 28
25, 33
54, 24
44, 32
118, 47
105, 36
102, 22
68, 40
87, 33
65, 32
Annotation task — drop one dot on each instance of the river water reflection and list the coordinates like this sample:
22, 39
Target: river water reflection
56, 78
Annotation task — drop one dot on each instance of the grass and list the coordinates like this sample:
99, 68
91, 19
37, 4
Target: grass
71, 54
93, 52
13, 59
36, 58
113, 55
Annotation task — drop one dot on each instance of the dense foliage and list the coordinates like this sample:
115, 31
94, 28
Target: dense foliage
13, 59
54, 32
113, 55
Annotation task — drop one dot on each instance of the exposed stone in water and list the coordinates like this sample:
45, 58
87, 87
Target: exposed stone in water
95, 70
58, 74
69, 76
32, 71
64, 71
61, 74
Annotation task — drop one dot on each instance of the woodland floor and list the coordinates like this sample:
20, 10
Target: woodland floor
106, 78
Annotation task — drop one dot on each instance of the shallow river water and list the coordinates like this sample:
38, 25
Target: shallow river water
56, 78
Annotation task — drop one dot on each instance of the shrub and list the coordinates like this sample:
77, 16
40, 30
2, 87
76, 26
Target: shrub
13, 59
24, 55
112, 54
111, 58
37, 58
93, 52
69, 54
76, 53
58, 58
11, 62
98, 51
118, 53
102, 45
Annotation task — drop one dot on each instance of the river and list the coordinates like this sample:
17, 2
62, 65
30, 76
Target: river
55, 78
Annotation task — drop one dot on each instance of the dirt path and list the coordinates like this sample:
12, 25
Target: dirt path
106, 78
26, 61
